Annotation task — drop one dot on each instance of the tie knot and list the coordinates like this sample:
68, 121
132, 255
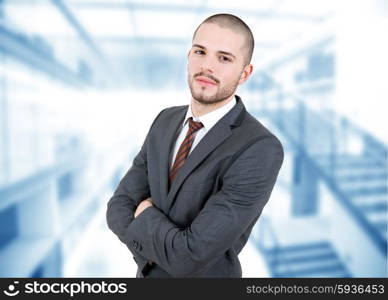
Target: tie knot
194, 126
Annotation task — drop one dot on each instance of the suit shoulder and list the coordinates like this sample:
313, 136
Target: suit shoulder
172, 110
257, 131
167, 113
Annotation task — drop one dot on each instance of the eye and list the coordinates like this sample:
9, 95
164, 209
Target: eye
199, 52
225, 58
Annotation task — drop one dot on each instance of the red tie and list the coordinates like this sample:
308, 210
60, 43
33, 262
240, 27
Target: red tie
185, 147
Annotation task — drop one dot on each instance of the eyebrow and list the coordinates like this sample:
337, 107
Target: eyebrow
219, 51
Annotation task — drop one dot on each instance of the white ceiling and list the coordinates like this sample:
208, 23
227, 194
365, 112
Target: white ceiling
117, 22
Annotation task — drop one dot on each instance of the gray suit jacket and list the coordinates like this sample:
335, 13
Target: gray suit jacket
199, 225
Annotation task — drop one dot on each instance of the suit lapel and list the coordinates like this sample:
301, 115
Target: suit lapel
172, 130
217, 134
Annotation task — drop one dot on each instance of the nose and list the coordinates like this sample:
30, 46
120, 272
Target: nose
208, 64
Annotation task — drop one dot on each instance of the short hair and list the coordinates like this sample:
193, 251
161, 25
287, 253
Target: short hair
236, 24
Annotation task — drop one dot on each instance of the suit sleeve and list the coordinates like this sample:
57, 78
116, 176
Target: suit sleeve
132, 189
247, 186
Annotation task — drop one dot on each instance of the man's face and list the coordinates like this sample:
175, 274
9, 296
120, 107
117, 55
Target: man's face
215, 63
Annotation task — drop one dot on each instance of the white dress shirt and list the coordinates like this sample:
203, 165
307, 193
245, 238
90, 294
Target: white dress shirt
208, 120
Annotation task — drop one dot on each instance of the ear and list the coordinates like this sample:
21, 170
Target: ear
248, 69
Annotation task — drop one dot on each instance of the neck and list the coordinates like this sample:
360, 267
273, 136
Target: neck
198, 109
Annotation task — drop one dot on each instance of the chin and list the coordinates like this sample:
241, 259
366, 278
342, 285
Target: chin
207, 101
203, 101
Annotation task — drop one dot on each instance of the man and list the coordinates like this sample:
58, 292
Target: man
187, 205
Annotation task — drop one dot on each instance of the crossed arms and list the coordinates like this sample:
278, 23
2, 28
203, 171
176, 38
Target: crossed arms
183, 252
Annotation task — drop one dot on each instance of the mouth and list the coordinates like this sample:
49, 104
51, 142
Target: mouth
205, 81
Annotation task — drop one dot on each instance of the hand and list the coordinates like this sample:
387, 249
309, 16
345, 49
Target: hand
143, 205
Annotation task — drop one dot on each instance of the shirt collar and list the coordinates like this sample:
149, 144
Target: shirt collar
210, 119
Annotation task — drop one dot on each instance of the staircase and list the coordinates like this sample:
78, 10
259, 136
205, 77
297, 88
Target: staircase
316, 259
363, 179
358, 179
353, 164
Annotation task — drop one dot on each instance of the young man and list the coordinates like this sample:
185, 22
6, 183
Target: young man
187, 205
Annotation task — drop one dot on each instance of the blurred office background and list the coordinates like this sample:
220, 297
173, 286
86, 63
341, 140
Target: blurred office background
82, 80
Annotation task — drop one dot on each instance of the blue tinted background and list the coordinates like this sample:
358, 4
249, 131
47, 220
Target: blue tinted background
82, 80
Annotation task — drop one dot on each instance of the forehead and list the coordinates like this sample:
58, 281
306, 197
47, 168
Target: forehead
216, 38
